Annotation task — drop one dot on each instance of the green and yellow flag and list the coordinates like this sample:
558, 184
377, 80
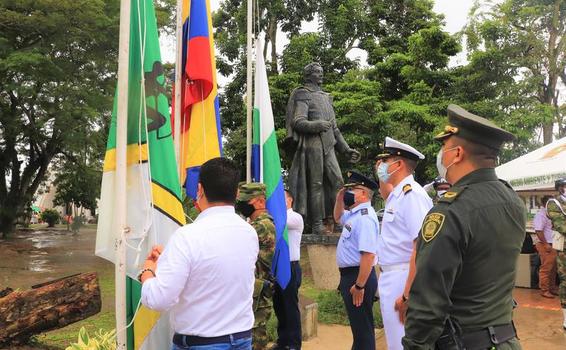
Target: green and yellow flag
153, 192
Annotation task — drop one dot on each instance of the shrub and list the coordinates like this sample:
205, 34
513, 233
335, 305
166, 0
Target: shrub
101, 341
50, 216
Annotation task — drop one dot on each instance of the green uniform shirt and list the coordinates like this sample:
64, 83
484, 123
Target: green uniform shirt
466, 256
556, 215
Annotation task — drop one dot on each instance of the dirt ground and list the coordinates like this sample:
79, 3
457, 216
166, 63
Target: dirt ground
36, 256
538, 321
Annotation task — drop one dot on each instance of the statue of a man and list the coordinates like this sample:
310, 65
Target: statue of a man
315, 177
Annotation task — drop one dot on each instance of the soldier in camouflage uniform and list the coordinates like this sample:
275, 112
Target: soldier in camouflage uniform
556, 211
251, 204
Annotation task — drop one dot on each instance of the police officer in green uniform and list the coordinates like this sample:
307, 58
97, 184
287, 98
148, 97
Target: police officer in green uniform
468, 246
251, 204
556, 212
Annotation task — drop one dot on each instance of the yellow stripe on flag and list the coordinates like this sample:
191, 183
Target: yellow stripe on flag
135, 154
144, 322
167, 203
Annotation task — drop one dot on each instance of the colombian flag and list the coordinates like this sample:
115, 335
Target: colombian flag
201, 138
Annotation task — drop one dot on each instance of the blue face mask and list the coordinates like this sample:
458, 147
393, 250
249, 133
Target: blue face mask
383, 171
349, 198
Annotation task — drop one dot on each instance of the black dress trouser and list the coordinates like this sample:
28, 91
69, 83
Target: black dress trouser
286, 306
361, 318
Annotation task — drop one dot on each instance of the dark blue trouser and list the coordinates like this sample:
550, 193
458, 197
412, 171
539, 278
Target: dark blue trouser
361, 318
286, 306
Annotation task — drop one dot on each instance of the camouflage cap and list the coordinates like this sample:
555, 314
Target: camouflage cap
247, 191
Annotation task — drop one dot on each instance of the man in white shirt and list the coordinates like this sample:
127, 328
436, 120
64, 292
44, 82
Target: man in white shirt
286, 301
405, 208
205, 275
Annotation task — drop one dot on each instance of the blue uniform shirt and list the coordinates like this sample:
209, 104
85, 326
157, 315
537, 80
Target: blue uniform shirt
359, 234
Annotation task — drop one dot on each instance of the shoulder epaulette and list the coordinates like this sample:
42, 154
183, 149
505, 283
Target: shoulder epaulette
452, 194
407, 188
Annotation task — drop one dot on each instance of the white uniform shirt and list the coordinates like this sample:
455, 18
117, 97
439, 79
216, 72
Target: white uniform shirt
205, 275
402, 220
295, 226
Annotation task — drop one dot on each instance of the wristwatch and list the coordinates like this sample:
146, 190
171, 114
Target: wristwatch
359, 287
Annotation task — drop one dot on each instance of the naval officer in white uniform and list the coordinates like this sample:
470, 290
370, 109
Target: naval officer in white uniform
405, 209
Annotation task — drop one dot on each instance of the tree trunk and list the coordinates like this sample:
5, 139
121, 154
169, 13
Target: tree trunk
273, 37
48, 306
8, 218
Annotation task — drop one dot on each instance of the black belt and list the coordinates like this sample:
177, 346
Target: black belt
485, 338
193, 340
347, 270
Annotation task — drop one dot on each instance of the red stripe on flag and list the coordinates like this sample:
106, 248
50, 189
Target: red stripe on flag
198, 70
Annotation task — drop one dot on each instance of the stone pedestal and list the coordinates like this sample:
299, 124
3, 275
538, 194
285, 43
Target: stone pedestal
321, 250
309, 317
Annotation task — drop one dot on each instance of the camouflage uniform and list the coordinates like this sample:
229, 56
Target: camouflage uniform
263, 289
559, 224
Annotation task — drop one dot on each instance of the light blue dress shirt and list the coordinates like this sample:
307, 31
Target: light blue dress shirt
359, 234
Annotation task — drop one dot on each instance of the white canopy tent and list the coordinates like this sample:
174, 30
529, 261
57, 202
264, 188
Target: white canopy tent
537, 170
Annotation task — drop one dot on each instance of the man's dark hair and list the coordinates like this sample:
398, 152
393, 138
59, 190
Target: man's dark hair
480, 155
219, 178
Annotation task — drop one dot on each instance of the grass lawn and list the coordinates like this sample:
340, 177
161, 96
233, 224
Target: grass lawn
331, 308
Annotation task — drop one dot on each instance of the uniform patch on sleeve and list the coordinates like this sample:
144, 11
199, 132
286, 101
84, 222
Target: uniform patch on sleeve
364, 211
407, 188
348, 227
431, 226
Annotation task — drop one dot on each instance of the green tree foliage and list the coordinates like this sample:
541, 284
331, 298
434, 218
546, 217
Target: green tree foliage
78, 184
402, 93
517, 61
58, 62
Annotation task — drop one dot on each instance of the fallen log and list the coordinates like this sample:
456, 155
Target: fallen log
48, 306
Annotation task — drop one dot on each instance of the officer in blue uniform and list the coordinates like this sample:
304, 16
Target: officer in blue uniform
356, 256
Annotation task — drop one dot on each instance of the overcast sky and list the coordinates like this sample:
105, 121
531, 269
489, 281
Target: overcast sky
455, 12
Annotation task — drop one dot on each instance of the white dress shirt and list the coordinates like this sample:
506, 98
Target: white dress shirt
295, 226
402, 220
205, 275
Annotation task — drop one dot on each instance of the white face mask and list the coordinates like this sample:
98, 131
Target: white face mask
443, 170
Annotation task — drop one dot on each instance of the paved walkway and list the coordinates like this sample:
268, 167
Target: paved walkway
538, 321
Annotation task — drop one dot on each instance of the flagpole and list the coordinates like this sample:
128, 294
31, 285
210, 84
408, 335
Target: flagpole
178, 88
249, 97
120, 190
